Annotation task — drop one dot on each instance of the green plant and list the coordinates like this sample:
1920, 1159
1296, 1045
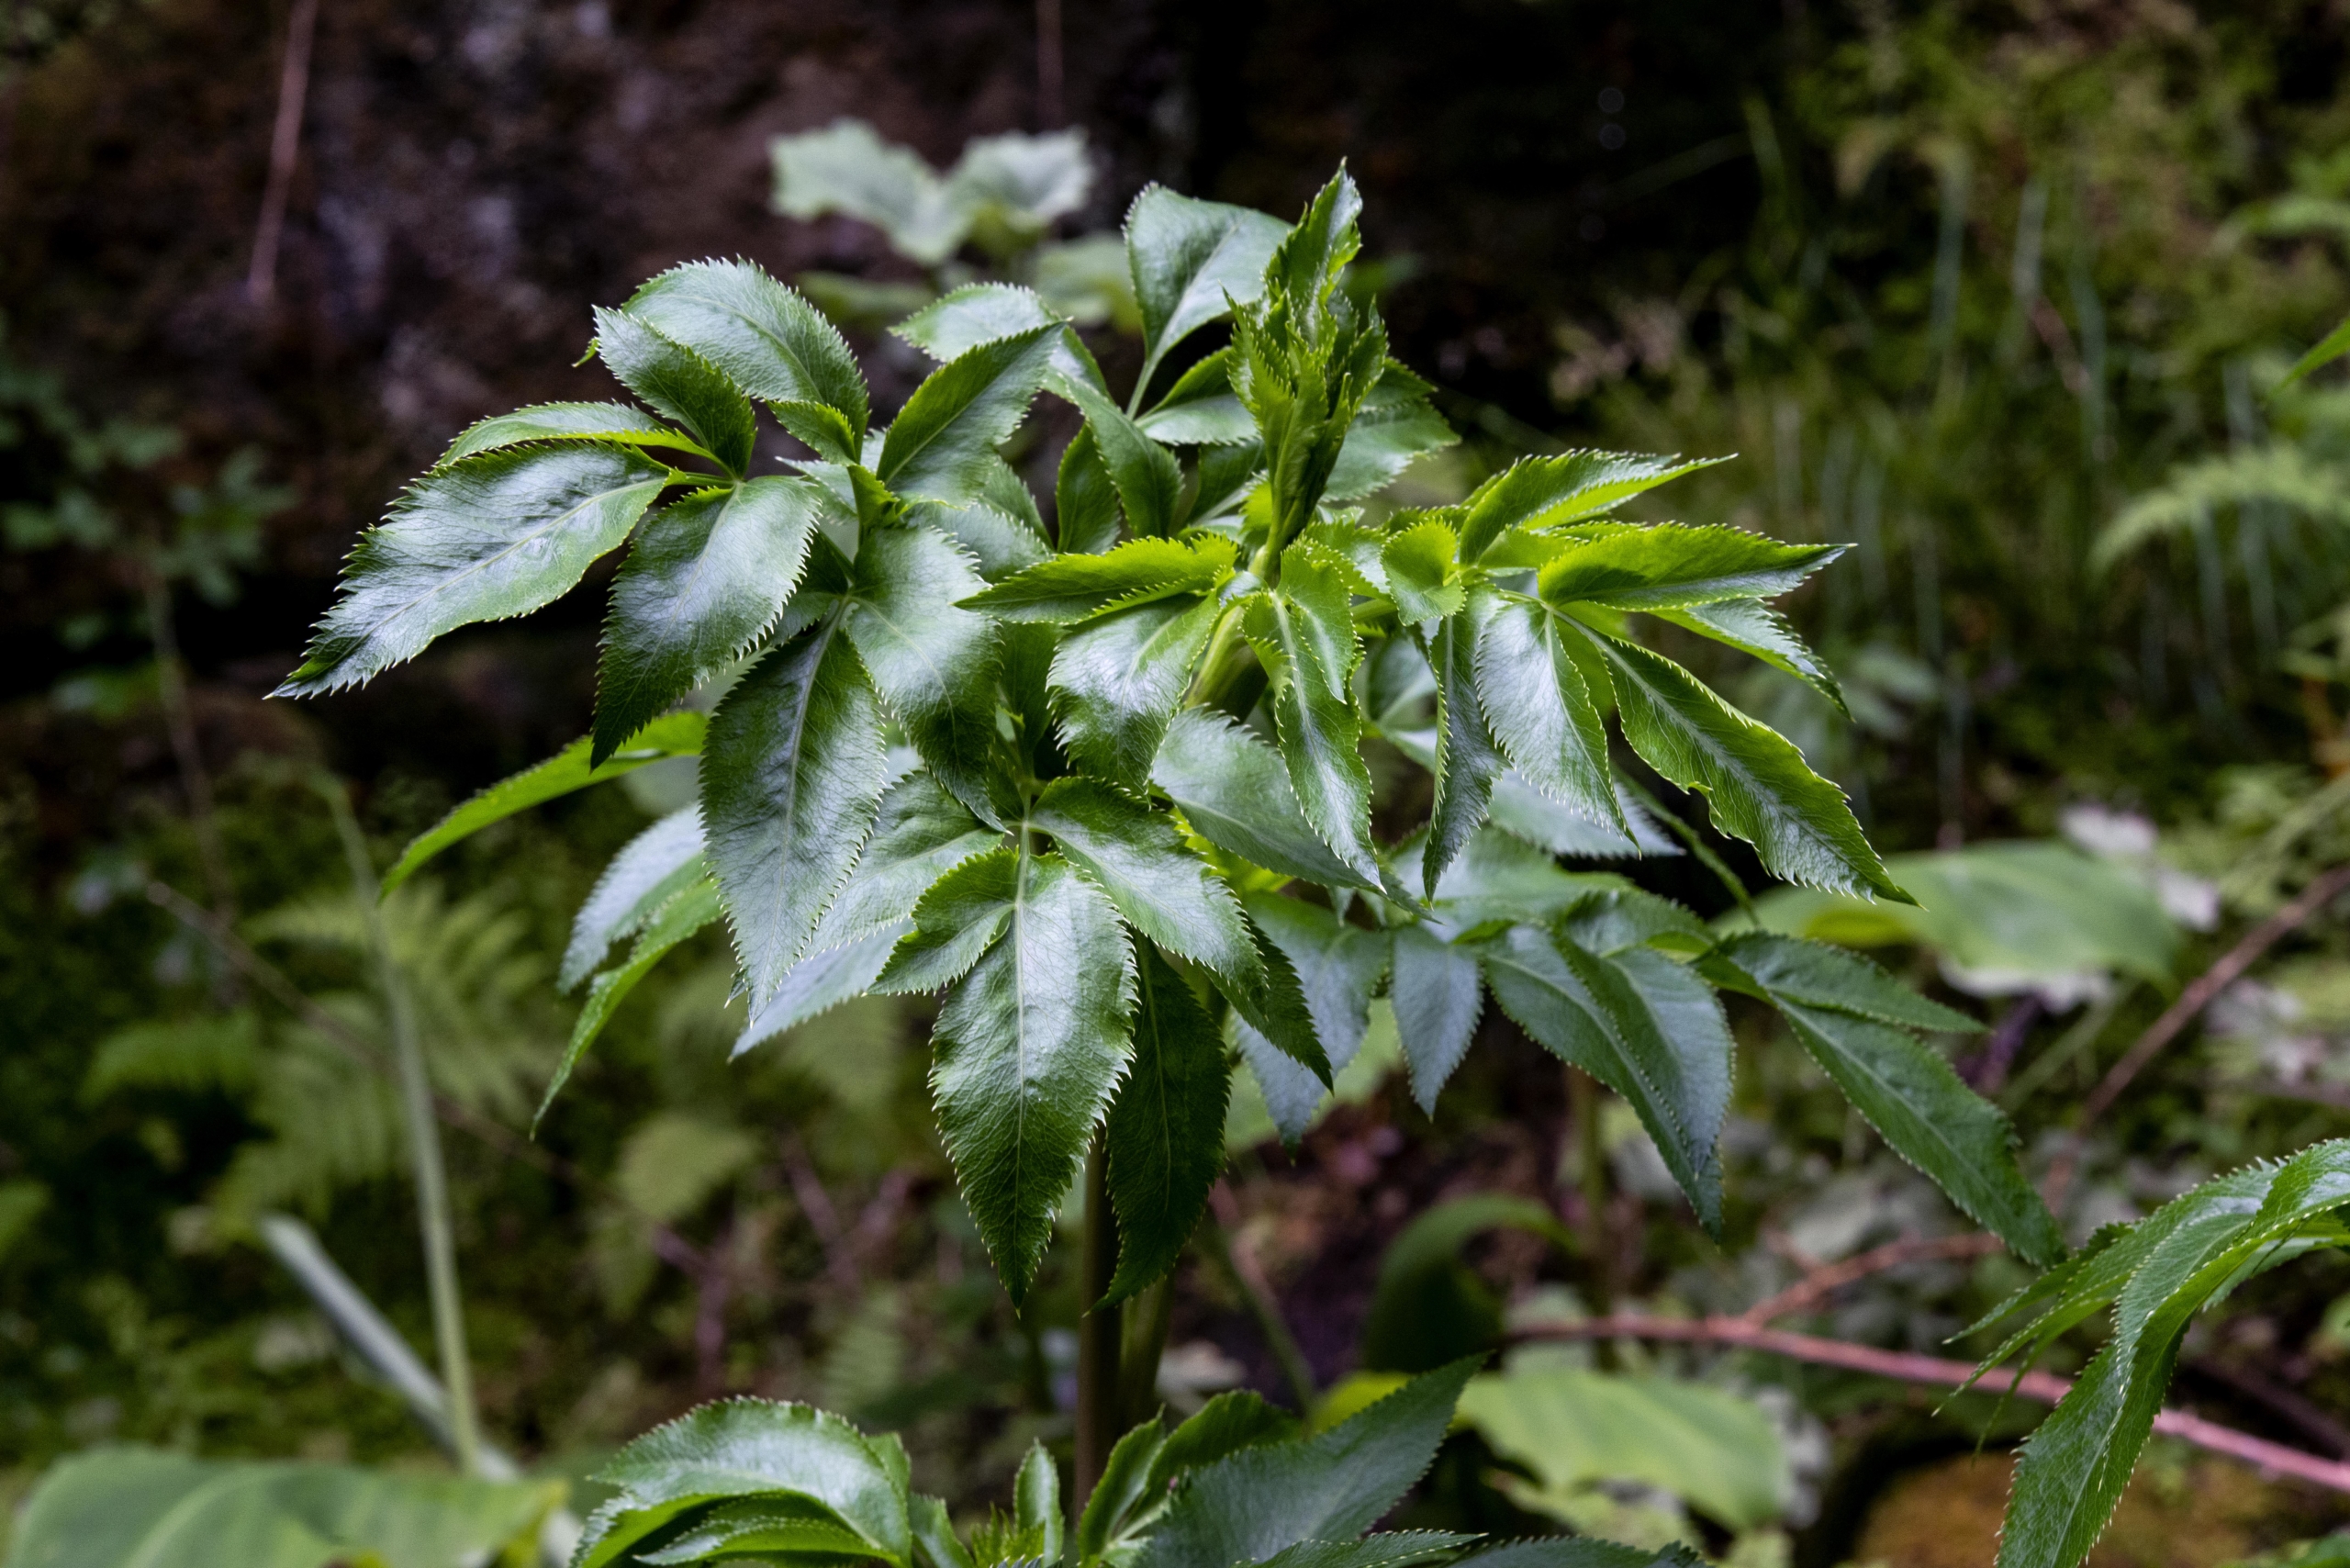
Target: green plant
1116, 757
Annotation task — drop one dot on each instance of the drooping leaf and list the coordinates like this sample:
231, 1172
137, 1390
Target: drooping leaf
1464, 757
673, 734
1235, 794
1331, 1486
820, 982
1071, 587
770, 341
681, 915
1191, 259
1541, 492
1756, 784
1639, 1023
1752, 627
1117, 681
1085, 501
792, 777
681, 385
1816, 975
744, 1449
130, 1507
1304, 635
1137, 857
933, 663
920, 832
648, 871
486, 537
1165, 1128
708, 576
1543, 707
1337, 968
942, 446
1439, 995
612, 422
1026, 1051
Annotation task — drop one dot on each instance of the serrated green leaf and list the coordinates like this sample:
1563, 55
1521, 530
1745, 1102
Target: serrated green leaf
1357, 545
673, 734
484, 539
1224, 479
1307, 264
758, 1526
935, 1544
648, 871
1036, 1500
1542, 492
820, 982
999, 541
1463, 756
1123, 1497
1931, 1119
680, 383
1222, 1427
1337, 968
1191, 261
1609, 920
1544, 709
1816, 975
933, 663
1377, 450
1439, 995
1668, 565
1756, 784
1148, 481
920, 832
1500, 878
707, 577
1304, 636
1394, 1549
1421, 577
942, 446
1073, 587
1639, 1023
744, 1450
1117, 681
1235, 794
138, 1507
1755, 628
1302, 383
792, 777
1580, 1552
613, 422
1200, 408
963, 318
1026, 1051
1085, 501
1137, 857
1165, 1128
773, 343
956, 920
1332, 1486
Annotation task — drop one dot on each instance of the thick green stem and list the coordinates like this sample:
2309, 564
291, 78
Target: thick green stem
432, 1210
1099, 1390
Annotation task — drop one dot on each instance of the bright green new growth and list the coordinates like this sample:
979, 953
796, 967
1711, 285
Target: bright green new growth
1115, 753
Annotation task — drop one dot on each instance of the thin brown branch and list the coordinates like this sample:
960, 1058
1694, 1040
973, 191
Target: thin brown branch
1904, 1367
2297, 1408
285, 145
2190, 1004
1826, 1279
824, 1218
666, 1243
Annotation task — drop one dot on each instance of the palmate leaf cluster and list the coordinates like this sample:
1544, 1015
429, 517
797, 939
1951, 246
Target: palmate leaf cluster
1101, 789
1237, 1483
